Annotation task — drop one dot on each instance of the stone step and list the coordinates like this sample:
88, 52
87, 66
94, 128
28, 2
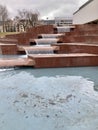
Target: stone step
41, 29
82, 33
52, 60
63, 29
8, 49
77, 48
16, 62
23, 38
44, 41
86, 39
38, 49
64, 60
8, 40
86, 27
50, 35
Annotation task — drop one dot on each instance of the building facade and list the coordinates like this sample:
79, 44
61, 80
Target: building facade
63, 21
58, 21
87, 13
47, 22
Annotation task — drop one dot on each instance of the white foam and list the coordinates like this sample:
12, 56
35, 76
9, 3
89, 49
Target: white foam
6, 69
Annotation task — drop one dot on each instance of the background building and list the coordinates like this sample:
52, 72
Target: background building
87, 13
62, 21
47, 22
58, 21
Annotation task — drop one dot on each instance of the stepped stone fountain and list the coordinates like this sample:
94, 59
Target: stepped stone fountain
50, 46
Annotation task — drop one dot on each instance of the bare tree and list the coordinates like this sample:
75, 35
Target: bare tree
3, 15
22, 18
32, 17
27, 18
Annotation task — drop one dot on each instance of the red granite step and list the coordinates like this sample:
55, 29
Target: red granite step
63, 29
86, 39
37, 49
8, 40
82, 33
23, 38
16, 62
64, 60
77, 48
8, 49
50, 35
87, 27
44, 41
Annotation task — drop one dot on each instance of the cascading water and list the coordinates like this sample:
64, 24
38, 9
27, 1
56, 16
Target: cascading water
6, 66
46, 41
43, 45
2, 69
39, 52
63, 29
38, 49
50, 35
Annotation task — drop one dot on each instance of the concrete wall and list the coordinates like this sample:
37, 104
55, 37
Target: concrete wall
86, 14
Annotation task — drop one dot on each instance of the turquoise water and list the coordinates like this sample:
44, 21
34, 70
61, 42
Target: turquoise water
49, 99
87, 72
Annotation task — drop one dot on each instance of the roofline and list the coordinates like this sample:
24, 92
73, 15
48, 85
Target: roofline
85, 4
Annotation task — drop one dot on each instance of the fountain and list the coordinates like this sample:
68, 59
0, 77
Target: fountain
44, 41
39, 49
50, 35
39, 52
63, 29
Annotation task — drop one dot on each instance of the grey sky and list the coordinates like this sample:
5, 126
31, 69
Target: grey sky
47, 8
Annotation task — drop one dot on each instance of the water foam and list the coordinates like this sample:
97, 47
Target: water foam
56, 103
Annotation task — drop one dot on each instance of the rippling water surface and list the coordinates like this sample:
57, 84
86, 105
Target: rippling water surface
49, 99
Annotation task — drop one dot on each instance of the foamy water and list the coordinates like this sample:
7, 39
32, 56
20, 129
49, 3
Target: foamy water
59, 102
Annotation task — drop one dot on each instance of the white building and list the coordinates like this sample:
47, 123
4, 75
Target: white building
87, 13
62, 21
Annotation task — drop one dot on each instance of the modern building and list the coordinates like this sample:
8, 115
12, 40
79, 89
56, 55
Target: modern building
62, 21
47, 22
58, 21
87, 13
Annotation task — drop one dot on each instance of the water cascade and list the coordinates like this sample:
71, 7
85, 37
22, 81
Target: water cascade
63, 29
46, 41
50, 35
40, 50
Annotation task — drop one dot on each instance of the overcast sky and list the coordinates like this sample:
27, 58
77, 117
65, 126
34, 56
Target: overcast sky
47, 8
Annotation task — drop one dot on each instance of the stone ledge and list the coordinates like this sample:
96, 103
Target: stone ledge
64, 60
